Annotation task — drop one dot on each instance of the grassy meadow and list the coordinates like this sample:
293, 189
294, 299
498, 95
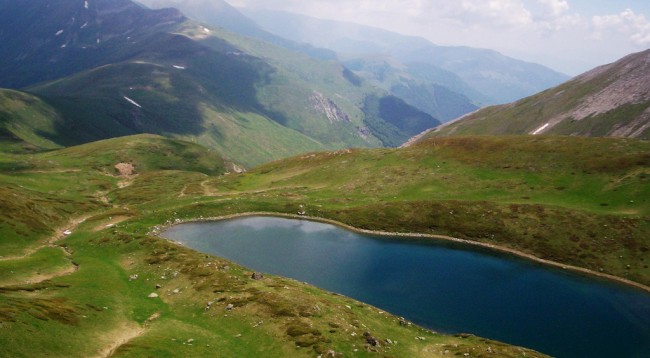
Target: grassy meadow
85, 292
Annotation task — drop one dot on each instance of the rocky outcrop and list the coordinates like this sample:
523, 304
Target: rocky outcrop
328, 107
627, 82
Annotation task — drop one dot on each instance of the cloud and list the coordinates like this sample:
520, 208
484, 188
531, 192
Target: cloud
628, 23
492, 12
556, 7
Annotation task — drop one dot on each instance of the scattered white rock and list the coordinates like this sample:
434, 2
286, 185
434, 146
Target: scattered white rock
153, 295
230, 306
67, 232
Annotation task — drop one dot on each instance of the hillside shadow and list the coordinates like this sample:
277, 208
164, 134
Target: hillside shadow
162, 89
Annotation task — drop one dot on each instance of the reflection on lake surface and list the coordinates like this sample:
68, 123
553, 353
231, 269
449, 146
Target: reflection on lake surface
442, 286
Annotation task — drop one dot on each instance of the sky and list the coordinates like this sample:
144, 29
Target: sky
570, 36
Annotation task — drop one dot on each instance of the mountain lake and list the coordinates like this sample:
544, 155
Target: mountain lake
444, 286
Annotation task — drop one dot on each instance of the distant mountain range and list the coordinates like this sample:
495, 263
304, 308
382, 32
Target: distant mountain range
611, 100
445, 82
100, 69
483, 76
113, 68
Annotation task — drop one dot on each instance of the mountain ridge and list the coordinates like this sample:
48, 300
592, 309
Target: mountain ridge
610, 100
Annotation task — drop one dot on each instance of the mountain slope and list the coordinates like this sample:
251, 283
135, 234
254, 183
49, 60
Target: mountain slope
131, 98
418, 90
27, 122
40, 41
498, 78
425, 87
611, 100
123, 69
220, 13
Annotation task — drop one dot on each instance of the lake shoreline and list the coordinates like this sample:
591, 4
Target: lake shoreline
492, 247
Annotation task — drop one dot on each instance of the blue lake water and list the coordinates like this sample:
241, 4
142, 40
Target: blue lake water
442, 286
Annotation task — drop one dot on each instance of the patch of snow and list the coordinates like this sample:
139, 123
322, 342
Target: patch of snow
179, 67
58, 33
86, 4
540, 129
64, 45
84, 25
206, 30
132, 101
98, 41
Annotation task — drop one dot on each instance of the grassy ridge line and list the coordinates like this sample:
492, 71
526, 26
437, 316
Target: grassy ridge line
406, 236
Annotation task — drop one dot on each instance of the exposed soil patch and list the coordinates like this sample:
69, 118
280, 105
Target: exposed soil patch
125, 334
119, 337
127, 172
125, 169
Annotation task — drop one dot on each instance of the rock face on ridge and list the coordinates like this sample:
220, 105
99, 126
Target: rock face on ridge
609, 101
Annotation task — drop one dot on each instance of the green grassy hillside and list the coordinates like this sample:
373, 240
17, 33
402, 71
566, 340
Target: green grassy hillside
611, 100
88, 291
26, 122
168, 101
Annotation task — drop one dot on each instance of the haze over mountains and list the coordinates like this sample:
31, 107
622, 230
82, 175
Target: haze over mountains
491, 77
445, 82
